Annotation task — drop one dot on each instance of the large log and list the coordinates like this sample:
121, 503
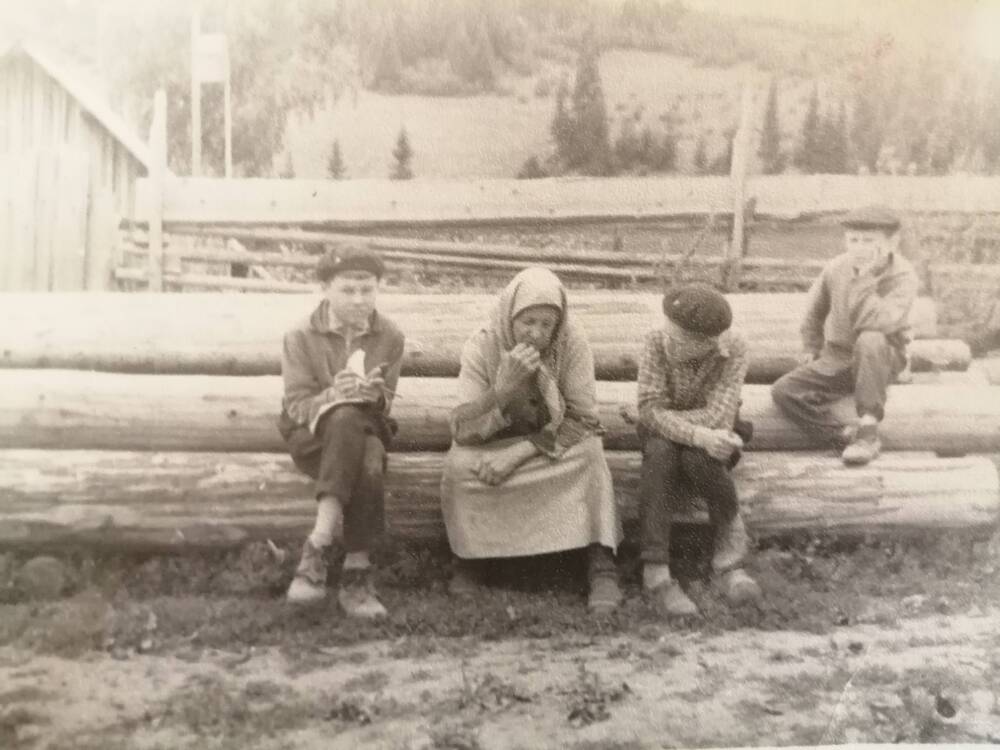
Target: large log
240, 334
190, 500
114, 411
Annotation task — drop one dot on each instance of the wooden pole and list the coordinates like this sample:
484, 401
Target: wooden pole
227, 96
178, 501
157, 178
195, 94
738, 174
228, 125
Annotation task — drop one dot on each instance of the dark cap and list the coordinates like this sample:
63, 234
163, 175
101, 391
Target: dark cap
349, 258
698, 308
871, 217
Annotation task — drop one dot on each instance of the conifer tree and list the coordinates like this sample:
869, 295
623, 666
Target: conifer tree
772, 160
809, 157
403, 155
335, 168
590, 150
700, 160
562, 125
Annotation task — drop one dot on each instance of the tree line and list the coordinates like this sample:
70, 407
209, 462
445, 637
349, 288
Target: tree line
921, 109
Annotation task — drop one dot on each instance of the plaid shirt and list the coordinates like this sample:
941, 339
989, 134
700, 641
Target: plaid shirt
682, 400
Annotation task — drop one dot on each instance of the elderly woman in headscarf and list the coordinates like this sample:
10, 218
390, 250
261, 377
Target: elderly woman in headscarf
526, 473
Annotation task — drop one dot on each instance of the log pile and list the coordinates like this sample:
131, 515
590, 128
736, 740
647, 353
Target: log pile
149, 421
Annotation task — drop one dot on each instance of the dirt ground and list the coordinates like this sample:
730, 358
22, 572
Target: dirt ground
860, 642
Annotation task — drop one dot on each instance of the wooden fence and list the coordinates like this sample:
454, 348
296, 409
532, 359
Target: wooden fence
303, 213
55, 234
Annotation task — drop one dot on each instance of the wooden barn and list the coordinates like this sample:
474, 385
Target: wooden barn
68, 169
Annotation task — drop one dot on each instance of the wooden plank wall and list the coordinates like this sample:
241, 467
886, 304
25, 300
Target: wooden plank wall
65, 183
45, 209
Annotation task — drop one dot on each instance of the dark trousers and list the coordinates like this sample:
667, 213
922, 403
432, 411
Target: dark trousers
865, 371
347, 458
672, 476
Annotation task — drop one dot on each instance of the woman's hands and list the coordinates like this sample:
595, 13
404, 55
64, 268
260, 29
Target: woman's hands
516, 366
495, 468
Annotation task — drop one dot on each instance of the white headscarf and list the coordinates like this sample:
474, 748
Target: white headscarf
532, 287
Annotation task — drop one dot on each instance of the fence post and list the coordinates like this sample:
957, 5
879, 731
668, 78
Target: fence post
738, 168
157, 176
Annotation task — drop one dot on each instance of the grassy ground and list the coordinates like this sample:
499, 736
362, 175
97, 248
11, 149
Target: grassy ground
201, 651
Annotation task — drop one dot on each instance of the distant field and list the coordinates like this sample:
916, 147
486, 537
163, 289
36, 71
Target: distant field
491, 136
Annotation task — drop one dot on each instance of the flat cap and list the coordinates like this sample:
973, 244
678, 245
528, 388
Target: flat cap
871, 217
349, 258
698, 308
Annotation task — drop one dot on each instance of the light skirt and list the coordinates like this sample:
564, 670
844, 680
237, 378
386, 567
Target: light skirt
544, 506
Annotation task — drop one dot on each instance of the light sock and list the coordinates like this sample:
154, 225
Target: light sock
357, 561
329, 520
655, 574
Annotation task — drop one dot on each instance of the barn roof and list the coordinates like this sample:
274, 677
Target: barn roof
90, 99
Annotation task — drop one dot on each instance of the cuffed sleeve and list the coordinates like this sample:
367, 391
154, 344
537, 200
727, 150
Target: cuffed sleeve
478, 416
305, 395
817, 308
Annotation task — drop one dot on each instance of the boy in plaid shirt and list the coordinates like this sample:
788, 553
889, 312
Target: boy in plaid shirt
690, 378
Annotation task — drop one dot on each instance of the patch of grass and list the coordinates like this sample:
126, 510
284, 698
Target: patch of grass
368, 682
876, 674
12, 722
590, 699
811, 585
490, 693
25, 694
808, 689
455, 738
211, 707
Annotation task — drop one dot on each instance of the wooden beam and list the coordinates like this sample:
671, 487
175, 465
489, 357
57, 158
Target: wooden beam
369, 203
157, 188
240, 334
366, 203
473, 249
72, 409
179, 501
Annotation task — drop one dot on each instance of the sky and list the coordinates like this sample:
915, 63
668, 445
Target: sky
976, 21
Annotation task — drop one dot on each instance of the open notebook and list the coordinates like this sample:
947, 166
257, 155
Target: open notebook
356, 364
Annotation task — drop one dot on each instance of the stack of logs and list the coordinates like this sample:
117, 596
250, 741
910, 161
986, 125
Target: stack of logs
148, 421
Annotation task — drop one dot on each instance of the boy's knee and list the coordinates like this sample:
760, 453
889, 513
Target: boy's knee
658, 450
782, 390
343, 418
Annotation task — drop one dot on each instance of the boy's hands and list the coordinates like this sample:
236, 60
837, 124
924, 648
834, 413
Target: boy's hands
348, 384
720, 444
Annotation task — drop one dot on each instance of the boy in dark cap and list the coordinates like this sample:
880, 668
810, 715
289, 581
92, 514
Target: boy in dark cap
340, 368
690, 378
855, 334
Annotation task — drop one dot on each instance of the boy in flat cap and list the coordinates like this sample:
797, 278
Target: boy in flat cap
855, 334
340, 368
690, 378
